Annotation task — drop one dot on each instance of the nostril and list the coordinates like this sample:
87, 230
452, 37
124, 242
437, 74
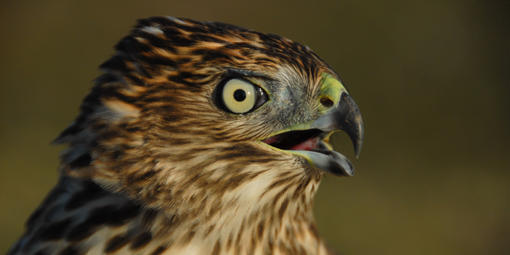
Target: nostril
326, 102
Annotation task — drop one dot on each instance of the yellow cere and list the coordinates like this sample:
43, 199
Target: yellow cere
331, 88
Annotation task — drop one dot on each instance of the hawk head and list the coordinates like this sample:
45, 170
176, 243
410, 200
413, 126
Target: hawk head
203, 118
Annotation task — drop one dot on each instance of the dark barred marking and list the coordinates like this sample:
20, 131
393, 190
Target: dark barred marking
137, 81
106, 215
133, 179
188, 75
155, 41
171, 32
116, 242
70, 250
206, 38
243, 152
121, 215
159, 250
90, 192
217, 248
229, 241
158, 99
301, 187
260, 229
107, 78
180, 80
115, 63
188, 236
253, 244
237, 241
180, 41
54, 231
82, 161
283, 207
243, 45
42, 251
141, 240
215, 208
209, 55
192, 29
110, 92
80, 232
169, 223
279, 195
209, 230
154, 61
130, 45
148, 218
314, 230
263, 59
270, 245
183, 60
280, 182
235, 181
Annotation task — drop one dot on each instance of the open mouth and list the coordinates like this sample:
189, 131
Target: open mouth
297, 140
312, 144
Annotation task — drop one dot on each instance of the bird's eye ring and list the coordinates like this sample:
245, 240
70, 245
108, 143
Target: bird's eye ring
240, 96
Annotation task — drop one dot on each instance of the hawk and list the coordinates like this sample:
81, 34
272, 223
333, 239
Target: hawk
197, 138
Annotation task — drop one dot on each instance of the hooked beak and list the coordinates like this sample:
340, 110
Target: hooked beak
311, 140
346, 117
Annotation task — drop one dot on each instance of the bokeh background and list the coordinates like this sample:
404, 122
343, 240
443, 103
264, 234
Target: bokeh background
431, 78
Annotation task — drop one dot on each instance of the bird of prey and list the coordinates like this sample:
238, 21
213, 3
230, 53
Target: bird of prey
197, 138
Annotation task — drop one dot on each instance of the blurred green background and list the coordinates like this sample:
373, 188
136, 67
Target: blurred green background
430, 77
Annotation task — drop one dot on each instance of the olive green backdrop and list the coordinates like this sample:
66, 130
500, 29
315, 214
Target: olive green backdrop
431, 79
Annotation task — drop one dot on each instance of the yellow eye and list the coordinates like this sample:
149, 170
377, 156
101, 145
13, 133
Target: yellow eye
240, 96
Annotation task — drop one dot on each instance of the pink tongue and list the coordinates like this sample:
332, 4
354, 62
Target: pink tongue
307, 145
271, 140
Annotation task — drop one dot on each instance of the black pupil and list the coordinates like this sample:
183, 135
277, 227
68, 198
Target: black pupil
239, 95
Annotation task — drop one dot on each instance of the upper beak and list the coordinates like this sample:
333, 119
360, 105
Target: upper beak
344, 116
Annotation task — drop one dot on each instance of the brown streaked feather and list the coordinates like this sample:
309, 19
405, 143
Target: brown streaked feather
155, 167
